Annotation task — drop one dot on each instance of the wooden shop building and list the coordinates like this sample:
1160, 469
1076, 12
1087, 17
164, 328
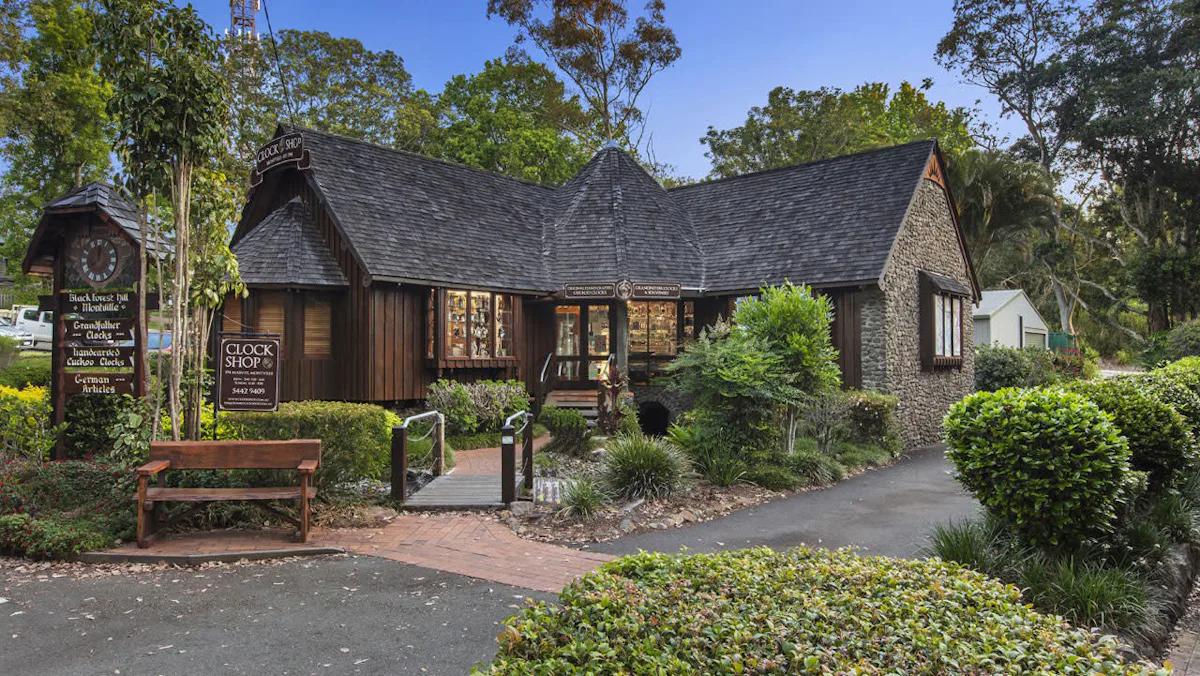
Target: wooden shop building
383, 270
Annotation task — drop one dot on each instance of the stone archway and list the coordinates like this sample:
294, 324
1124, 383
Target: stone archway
658, 407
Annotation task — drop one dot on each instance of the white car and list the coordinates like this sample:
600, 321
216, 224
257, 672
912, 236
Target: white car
24, 338
38, 323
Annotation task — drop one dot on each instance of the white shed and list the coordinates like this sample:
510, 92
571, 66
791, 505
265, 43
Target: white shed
1007, 317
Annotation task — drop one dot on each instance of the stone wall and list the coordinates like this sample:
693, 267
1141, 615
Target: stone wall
675, 403
872, 304
926, 242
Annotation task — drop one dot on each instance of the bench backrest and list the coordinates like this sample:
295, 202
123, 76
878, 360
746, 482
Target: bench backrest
236, 454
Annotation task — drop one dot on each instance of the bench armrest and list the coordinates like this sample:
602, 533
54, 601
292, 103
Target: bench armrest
308, 466
153, 467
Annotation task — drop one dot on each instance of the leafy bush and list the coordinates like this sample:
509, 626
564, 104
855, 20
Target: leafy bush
630, 425
643, 467
1168, 387
478, 406
824, 420
10, 351
720, 468
714, 457
26, 425
1159, 439
815, 468
90, 418
1070, 365
59, 509
1183, 341
1048, 463
568, 430
582, 498
796, 611
27, 370
772, 478
852, 454
871, 419
355, 439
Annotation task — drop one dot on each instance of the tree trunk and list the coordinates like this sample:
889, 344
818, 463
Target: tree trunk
180, 339
1066, 305
1157, 319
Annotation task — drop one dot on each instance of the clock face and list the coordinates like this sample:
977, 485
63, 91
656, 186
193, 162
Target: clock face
98, 260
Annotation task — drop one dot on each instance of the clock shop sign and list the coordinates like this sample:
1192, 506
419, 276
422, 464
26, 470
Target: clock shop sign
248, 374
279, 152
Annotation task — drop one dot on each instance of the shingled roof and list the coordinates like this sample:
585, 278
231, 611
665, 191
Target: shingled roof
286, 249
410, 218
823, 223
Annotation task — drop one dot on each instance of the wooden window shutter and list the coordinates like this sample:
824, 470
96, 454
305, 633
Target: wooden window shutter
270, 315
925, 317
318, 327
231, 312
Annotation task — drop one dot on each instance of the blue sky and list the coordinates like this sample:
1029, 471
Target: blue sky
734, 52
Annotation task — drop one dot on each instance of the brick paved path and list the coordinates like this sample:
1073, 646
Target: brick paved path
468, 545
487, 460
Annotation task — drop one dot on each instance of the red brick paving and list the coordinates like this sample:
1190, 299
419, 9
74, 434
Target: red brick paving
487, 460
465, 544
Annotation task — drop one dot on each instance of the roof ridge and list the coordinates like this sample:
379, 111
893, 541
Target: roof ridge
814, 163
420, 156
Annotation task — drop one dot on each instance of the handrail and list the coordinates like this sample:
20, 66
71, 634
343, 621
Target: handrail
525, 414
400, 442
508, 459
546, 366
441, 418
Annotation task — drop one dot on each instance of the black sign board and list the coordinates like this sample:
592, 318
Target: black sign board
248, 374
597, 290
100, 304
280, 151
99, 330
91, 356
667, 291
98, 383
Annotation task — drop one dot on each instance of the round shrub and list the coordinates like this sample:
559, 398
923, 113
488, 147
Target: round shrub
1183, 341
568, 430
643, 467
998, 366
871, 419
791, 612
1160, 441
1047, 462
1173, 391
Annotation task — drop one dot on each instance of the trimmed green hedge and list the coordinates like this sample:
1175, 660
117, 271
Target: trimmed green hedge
568, 430
1046, 462
1160, 441
356, 439
793, 612
56, 510
27, 370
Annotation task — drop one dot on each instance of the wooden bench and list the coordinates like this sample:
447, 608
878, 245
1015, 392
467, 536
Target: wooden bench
302, 455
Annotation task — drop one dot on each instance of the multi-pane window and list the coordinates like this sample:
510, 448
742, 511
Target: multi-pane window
947, 322
479, 325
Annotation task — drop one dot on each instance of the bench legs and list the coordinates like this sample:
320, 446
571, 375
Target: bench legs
305, 480
147, 521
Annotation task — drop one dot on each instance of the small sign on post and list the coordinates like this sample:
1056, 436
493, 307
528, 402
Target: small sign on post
248, 374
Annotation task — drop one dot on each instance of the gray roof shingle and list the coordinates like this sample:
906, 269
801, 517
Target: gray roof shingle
409, 217
109, 199
287, 249
821, 223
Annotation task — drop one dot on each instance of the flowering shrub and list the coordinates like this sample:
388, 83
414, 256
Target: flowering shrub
25, 423
800, 611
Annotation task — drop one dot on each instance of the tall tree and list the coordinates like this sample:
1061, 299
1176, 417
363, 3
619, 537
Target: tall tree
1015, 50
593, 44
513, 118
1135, 113
171, 107
808, 125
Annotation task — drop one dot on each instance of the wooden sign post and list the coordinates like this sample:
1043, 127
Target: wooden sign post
89, 243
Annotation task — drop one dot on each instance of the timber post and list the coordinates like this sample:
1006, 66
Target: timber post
527, 454
400, 462
508, 464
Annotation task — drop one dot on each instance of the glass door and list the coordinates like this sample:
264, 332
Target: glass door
598, 343
566, 342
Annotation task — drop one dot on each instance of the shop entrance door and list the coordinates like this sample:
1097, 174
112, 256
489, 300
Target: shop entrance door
583, 340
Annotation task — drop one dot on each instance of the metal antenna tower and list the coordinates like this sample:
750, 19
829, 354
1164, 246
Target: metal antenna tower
242, 15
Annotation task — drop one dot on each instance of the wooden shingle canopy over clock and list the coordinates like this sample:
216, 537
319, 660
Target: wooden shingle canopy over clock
89, 242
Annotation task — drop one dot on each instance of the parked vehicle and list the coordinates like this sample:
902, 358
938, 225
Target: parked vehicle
38, 323
24, 338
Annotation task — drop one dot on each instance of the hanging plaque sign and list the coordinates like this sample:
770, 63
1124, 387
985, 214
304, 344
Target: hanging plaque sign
279, 152
98, 383
248, 374
89, 357
667, 291
599, 290
100, 330
100, 304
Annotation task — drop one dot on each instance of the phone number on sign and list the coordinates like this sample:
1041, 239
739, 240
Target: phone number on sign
249, 390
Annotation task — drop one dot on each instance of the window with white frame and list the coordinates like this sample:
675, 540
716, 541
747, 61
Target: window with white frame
947, 323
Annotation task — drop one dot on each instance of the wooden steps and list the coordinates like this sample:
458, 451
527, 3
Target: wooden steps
583, 401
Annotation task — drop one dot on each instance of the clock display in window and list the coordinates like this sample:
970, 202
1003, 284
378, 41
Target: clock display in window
98, 260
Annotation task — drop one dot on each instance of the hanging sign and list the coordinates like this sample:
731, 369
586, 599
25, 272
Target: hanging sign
89, 357
279, 152
98, 383
599, 290
97, 304
99, 330
667, 291
248, 374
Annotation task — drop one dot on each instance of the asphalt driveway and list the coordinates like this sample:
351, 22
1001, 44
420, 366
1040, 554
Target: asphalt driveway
887, 512
327, 615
